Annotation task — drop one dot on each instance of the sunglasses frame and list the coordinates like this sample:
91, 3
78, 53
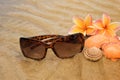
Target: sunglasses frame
72, 38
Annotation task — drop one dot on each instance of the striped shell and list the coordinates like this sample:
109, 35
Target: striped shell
93, 54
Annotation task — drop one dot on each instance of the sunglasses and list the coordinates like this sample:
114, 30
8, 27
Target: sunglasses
63, 46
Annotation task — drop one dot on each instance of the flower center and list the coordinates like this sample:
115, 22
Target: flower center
105, 27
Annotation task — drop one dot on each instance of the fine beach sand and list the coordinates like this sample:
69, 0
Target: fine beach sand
20, 18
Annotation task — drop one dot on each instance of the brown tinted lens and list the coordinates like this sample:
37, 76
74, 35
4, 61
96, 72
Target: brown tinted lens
64, 49
32, 49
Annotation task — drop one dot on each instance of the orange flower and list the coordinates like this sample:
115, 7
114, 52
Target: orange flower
106, 27
83, 26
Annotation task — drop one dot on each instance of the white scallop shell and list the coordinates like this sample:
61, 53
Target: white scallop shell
93, 54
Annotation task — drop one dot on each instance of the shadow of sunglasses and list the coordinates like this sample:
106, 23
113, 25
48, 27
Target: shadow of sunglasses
63, 46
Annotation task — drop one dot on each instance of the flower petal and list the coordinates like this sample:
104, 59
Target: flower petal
107, 32
113, 25
78, 21
98, 24
75, 29
93, 27
90, 31
110, 33
106, 19
88, 20
102, 32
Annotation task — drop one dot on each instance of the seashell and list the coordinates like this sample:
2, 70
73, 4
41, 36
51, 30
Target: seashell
95, 41
112, 50
93, 53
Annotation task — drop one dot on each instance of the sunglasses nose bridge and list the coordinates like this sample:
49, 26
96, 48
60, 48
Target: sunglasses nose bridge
49, 45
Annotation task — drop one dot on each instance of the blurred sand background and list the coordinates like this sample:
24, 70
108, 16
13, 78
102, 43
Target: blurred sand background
35, 17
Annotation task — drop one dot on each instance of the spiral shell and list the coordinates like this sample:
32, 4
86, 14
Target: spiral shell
93, 53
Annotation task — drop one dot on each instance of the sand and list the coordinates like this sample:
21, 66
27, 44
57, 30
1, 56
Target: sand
22, 18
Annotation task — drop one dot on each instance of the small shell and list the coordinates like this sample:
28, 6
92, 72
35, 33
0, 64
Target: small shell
93, 53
